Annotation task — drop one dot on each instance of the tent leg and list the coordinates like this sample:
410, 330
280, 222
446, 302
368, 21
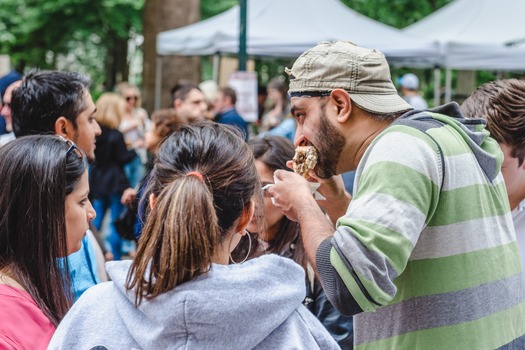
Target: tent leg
448, 85
437, 86
158, 82
216, 67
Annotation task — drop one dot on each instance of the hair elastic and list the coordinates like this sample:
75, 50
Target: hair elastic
196, 174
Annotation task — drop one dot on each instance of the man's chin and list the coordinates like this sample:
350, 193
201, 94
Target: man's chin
323, 172
324, 175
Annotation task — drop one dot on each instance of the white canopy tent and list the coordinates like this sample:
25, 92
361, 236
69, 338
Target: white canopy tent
476, 35
287, 28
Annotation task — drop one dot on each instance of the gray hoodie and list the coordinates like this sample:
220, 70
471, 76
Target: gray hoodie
252, 305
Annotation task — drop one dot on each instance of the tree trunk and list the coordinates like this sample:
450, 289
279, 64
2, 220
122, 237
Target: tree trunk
117, 66
161, 15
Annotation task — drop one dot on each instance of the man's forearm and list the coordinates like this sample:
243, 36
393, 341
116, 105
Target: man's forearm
315, 228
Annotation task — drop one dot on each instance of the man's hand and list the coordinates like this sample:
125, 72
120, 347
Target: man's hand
333, 189
128, 196
290, 192
337, 199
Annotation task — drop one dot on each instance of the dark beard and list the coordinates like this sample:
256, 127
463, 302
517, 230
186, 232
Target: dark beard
330, 145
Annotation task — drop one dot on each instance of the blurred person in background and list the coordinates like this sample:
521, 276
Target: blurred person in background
189, 101
5, 81
209, 88
108, 179
164, 122
409, 84
224, 106
277, 103
6, 113
133, 126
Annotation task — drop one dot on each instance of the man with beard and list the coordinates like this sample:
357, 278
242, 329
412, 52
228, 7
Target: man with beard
424, 254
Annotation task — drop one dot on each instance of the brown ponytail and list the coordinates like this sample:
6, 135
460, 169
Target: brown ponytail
191, 216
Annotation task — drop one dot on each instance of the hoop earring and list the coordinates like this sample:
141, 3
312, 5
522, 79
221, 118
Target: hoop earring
249, 249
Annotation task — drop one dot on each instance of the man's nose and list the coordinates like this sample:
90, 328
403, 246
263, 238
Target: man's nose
300, 140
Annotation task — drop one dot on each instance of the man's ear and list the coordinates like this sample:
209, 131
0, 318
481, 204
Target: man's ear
64, 128
341, 100
177, 103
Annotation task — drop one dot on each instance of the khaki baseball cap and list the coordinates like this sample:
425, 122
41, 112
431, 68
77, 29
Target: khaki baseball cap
363, 73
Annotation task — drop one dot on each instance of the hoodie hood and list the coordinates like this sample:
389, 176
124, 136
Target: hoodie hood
472, 130
253, 298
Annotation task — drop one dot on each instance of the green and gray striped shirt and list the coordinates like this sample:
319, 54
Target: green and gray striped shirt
426, 253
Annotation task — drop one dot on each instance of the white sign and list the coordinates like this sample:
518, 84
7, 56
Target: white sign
4, 65
245, 86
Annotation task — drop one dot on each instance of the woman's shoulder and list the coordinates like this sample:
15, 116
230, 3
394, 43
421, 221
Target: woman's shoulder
22, 323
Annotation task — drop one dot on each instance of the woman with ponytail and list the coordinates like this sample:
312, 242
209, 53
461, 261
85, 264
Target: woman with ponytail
181, 290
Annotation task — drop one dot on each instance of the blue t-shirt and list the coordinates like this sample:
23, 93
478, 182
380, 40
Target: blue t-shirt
83, 268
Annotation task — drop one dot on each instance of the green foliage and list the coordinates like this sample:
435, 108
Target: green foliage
396, 13
41, 32
210, 8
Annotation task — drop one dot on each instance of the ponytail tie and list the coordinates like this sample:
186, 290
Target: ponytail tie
196, 174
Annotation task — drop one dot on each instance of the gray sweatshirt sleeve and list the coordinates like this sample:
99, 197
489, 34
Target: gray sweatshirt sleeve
333, 285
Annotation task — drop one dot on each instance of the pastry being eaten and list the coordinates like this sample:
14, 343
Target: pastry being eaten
304, 160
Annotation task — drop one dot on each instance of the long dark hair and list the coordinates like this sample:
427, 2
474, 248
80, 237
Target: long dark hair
191, 217
274, 152
37, 174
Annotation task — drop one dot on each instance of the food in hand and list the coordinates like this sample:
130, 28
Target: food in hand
304, 160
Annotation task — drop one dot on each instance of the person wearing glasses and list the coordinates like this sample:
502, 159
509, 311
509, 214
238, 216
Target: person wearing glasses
133, 126
180, 290
56, 102
44, 213
283, 237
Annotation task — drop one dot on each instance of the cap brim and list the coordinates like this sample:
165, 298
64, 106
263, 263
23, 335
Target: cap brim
392, 103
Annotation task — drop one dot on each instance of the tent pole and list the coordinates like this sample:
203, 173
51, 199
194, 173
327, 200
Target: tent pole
448, 85
158, 81
216, 66
242, 34
437, 86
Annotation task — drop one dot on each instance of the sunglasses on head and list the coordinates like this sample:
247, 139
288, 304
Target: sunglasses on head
72, 147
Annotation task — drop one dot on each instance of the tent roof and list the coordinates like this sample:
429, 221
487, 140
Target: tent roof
477, 34
286, 28
474, 22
